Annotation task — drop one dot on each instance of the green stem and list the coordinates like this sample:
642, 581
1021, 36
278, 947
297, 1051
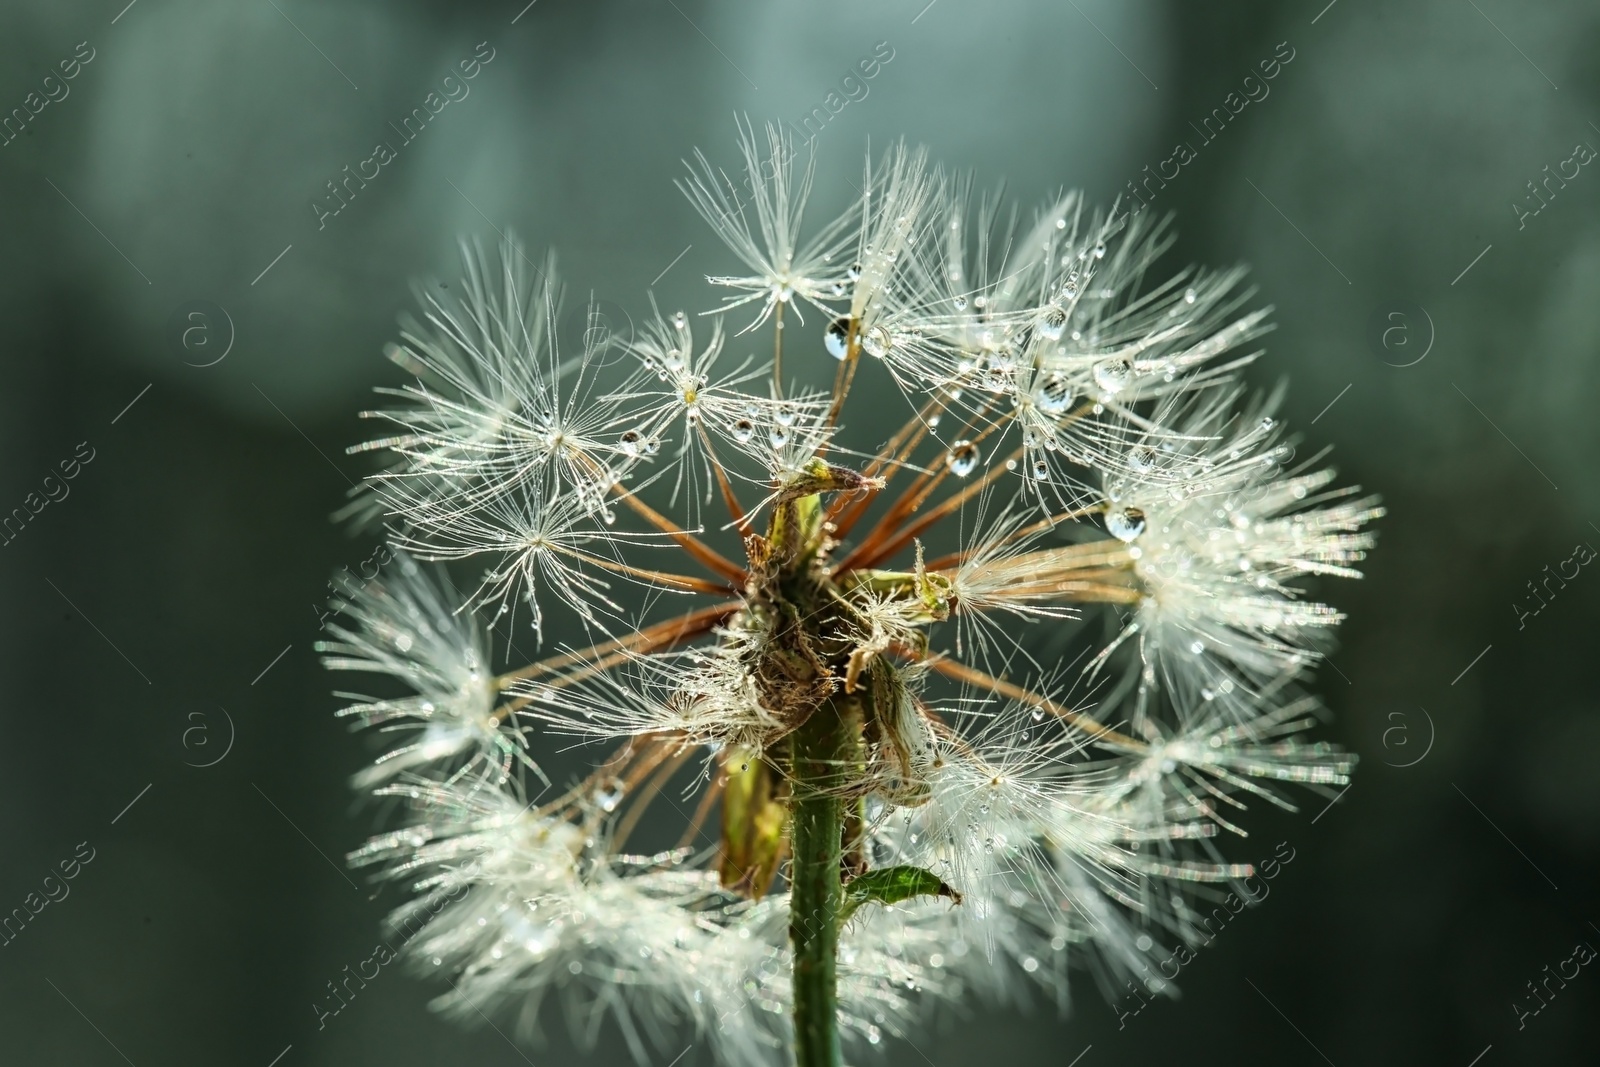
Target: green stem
816, 894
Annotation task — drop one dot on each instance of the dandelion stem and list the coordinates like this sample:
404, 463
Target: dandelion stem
641, 800
712, 794
662, 635
735, 509
951, 669
777, 351
678, 581
845, 512
847, 371
697, 548
955, 559
820, 747
945, 507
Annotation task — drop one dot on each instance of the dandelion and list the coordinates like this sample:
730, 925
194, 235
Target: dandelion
892, 785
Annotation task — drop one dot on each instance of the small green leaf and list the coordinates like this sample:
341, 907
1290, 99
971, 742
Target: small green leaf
890, 885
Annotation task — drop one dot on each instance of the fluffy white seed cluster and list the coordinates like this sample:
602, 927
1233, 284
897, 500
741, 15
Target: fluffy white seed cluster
1078, 454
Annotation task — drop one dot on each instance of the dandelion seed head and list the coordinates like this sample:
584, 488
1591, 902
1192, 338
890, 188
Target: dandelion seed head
1078, 460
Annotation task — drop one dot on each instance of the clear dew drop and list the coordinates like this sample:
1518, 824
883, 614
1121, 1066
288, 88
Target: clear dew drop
1197, 647
960, 302
1141, 457
1054, 395
784, 417
631, 442
1114, 374
680, 321
962, 459
608, 516
779, 436
1052, 322
837, 339
609, 795
1189, 296
876, 342
1038, 715
1100, 250
1041, 469
1125, 524
743, 430
854, 273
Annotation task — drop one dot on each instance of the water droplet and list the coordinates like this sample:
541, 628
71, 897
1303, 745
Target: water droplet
960, 303
1069, 289
837, 338
933, 422
1100, 250
980, 301
609, 795
1053, 395
1189, 296
876, 342
1038, 715
649, 446
608, 516
743, 430
854, 273
779, 436
962, 459
784, 417
1141, 457
680, 321
1041, 469
1197, 647
1052, 322
1125, 524
1113, 374
630, 442
1143, 943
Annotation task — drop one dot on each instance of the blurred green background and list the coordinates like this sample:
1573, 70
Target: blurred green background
1384, 172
